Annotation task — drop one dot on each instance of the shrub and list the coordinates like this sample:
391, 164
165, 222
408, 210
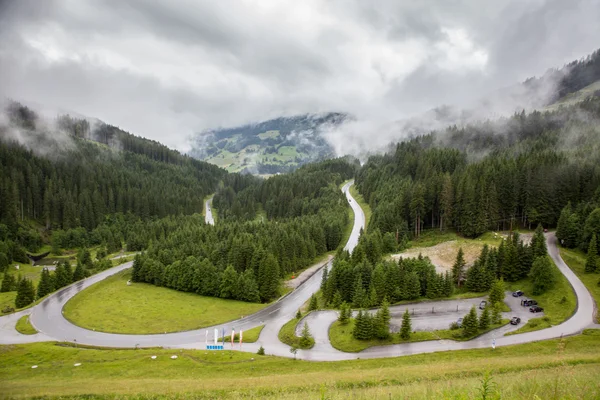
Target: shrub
261, 351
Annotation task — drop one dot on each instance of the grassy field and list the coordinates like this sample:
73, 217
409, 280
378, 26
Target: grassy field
250, 336
287, 334
112, 306
341, 337
575, 259
24, 326
558, 303
554, 369
362, 203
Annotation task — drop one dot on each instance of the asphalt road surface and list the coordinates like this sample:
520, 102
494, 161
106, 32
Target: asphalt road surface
47, 318
208, 216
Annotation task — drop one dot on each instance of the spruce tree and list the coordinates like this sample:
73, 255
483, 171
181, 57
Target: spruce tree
45, 285
591, 262
542, 275
413, 286
497, 292
382, 321
372, 298
298, 314
337, 299
484, 320
324, 279
8, 283
268, 278
345, 313
470, 323
458, 269
406, 327
448, 285
61, 276
229, 279
538, 243
496, 314
359, 298
25, 293
306, 339
79, 272
313, 305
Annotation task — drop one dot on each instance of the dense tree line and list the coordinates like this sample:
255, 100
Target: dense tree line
542, 162
237, 260
312, 189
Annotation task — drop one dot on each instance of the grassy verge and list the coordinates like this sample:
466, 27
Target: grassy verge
575, 259
287, 335
250, 336
24, 326
558, 303
554, 369
112, 306
362, 203
341, 338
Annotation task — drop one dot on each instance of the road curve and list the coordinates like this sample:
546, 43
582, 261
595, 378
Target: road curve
47, 316
208, 216
48, 320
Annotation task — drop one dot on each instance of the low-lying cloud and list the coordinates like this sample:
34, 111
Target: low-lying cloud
166, 70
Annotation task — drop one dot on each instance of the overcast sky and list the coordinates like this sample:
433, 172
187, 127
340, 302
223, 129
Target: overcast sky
167, 69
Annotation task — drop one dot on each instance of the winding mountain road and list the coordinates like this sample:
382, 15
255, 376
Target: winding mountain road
47, 318
208, 216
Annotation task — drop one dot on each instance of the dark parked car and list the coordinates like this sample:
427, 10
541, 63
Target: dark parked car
515, 321
529, 303
459, 322
482, 305
536, 309
518, 293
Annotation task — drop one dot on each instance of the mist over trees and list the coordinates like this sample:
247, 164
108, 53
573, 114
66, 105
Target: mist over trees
483, 179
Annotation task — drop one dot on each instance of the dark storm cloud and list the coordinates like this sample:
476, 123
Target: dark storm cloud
168, 69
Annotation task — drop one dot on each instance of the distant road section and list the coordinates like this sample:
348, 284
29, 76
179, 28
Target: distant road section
208, 217
359, 218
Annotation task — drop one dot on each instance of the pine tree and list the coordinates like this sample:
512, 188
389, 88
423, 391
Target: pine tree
458, 269
79, 273
484, 320
268, 278
497, 292
591, 262
337, 299
372, 298
45, 285
324, 279
496, 314
229, 278
382, 321
8, 283
25, 293
542, 275
406, 327
306, 339
470, 323
345, 313
313, 305
448, 285
363, 328
360, 297
61, 276
538, 243
413, 286
298, 315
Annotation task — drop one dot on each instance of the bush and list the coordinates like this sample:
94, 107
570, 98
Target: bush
454, 326
261, 351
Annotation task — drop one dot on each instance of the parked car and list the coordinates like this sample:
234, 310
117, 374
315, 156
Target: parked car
529, 303
482, 305
536, 309
518, 293
515, 321
459, 322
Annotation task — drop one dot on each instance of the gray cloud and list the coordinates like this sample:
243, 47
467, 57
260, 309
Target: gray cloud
165, 70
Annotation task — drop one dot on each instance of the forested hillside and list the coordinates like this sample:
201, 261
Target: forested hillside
243, 259
492, 176
269, 147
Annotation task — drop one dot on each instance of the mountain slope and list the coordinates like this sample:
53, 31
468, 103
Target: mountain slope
277, 145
